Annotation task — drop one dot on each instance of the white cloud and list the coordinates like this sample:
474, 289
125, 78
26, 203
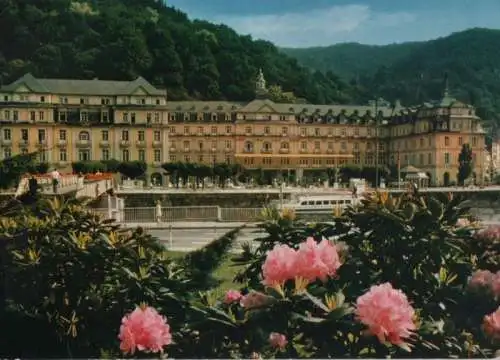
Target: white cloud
316, 27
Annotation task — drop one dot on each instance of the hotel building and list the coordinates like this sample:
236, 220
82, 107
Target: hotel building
72, 120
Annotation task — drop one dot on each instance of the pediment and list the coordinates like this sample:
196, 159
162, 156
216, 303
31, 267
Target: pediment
266, 109
140, 91
23, 88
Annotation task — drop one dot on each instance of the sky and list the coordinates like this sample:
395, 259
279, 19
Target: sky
305, 23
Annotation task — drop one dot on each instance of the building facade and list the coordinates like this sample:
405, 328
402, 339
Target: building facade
84, 120
98, 120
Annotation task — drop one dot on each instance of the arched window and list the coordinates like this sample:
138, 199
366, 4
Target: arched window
285, 145
267, 146
248, 146
84, 136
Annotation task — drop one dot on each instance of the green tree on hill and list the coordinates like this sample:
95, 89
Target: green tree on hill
122, 39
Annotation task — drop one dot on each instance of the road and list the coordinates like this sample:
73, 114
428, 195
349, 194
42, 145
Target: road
192, 239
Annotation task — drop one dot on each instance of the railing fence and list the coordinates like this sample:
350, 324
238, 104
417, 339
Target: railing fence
181, 213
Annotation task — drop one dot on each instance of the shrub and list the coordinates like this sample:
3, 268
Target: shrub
133, 169
410, 248
69, 277
88, 167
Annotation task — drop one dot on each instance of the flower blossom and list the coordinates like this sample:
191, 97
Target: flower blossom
254, 299
387, 314
278, 340
490, 233
481, 278
232, 296
311, 261
279, 265
145, 330
485, 279
463, 222
491, 325
317, 260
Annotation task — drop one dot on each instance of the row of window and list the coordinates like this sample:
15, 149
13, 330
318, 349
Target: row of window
200, 159
412, 144
62, 116
85, 100
304, 145
284, 131
86, 155
82, 135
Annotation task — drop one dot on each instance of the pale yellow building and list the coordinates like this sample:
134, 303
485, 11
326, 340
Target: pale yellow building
84, 120
300, 137
74, 120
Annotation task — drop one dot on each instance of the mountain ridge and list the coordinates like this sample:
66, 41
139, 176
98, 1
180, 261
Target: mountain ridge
414, 72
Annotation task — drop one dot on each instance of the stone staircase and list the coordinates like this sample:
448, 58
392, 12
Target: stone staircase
68, 184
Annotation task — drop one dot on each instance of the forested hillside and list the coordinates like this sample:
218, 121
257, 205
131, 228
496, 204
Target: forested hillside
121, 39
350, 60
414, 72
470, 58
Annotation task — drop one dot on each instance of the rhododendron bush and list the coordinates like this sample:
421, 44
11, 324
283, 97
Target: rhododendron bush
398, 276
407, 276
68, 278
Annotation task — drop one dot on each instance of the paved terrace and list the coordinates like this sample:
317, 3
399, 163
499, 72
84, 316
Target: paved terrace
292, 190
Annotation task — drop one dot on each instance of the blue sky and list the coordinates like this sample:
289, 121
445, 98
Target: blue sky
302, 23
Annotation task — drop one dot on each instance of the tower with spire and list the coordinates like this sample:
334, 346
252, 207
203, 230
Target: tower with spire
260, 86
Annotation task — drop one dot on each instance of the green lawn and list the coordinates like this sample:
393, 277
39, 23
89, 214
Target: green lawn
225, 273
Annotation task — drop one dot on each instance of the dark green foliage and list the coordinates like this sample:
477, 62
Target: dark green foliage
69, 278
133, 169
414, 72
203, 262
111, 165
12, 169
465, 165
120, 40
88, 167
40, 168
350, 60
180, 173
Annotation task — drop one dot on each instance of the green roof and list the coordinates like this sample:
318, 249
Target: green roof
265, 105
83, 87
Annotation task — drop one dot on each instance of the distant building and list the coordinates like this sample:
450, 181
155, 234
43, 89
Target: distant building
97, 120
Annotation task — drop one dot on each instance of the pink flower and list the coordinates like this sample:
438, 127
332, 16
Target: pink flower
311, 261
254, 299
145, 330
278, 340
495, 284
491, 233
462, 222
387, 314
317, 261
279, 265
232, 296
481, 278
491, 325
